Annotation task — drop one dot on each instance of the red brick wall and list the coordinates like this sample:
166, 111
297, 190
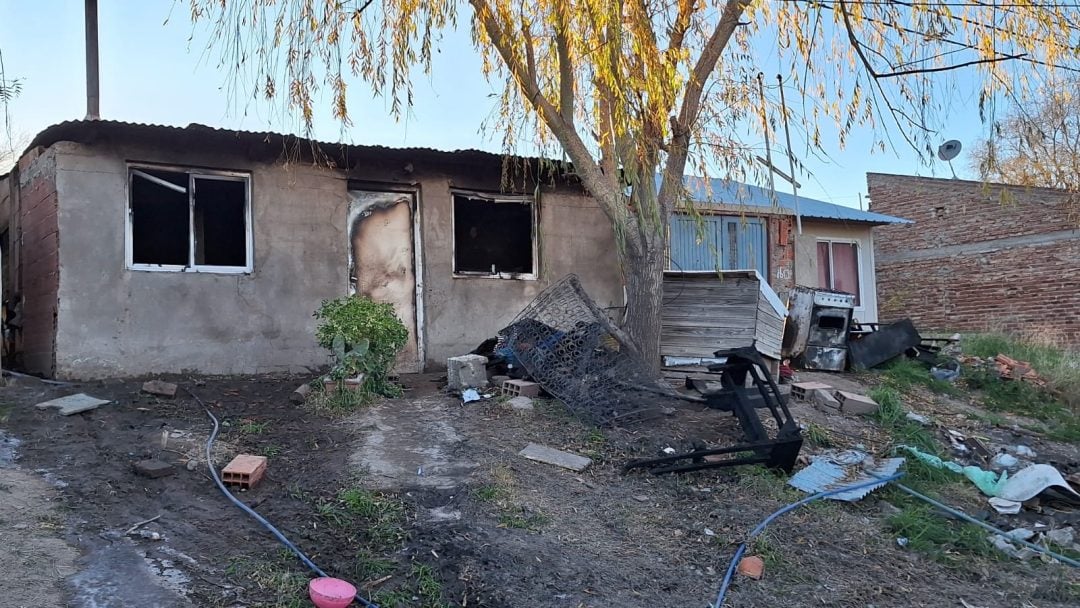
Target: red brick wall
979, 257
781, 236
39, 262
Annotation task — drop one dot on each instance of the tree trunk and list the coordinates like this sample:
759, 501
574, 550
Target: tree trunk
644, 296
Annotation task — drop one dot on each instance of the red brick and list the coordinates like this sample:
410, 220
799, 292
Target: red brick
245, 471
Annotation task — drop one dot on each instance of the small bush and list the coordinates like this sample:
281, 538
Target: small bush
365, 337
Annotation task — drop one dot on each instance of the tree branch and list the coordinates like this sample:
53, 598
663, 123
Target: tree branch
566, 68
691, 102
584, 164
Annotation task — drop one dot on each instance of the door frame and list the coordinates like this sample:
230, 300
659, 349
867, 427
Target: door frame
414, 191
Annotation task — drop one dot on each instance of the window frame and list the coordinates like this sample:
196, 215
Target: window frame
496, 199
861, 296
193, 173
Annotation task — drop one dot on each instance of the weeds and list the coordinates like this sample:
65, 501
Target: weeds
903, 374
818, 436
284, 586
499, 492
271, 450
337, 401
892, 417
1026, 400
251, 427
1060, 367
928, 532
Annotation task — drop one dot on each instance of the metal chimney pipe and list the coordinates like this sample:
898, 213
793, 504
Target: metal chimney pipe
93, 93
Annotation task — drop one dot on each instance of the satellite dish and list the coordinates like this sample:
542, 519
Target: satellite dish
948, 150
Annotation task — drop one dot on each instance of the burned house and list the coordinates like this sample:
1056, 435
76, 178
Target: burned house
138, 249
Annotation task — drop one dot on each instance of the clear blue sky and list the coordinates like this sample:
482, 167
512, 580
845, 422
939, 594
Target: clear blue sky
155, 71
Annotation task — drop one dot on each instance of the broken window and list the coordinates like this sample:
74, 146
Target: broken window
838, 267
494, 235
189, 220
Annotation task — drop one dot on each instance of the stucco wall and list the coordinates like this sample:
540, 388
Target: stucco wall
119, 322
806, 265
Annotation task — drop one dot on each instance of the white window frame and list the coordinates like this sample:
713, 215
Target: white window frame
858, 260
496, 199
193, 174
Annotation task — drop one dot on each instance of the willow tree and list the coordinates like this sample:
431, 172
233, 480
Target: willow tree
1036, 144
628, 90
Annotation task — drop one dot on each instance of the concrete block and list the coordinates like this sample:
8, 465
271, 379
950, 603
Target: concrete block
524, 388
466, 371
154, 468
160, 388
498, 380
245, 470
521, 404
854, 403
803, 391
824, 400
73, 404
299, 396
558, 458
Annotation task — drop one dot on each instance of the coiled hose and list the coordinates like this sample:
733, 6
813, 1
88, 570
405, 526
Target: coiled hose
259, 518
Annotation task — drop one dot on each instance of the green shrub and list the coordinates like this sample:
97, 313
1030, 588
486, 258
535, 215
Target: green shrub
365, 337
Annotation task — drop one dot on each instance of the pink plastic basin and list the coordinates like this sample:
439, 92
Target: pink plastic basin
331, 592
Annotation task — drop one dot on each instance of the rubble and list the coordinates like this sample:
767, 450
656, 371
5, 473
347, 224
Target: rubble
1012, 369
555, 457
159, 388
466, 371
154, 468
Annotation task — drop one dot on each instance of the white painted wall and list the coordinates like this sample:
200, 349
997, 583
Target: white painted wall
806, 268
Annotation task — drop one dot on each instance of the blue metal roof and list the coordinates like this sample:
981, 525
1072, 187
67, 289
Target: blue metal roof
728, 192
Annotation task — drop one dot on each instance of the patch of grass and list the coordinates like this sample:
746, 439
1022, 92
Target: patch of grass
892, 417
942, 539
1060, 367
903, 374
766, 547
337, 401
499, 492
370, 567
282, 585
428, 586
521, 519
1028, 400
818, 435
271, 450
251, 427
489, 493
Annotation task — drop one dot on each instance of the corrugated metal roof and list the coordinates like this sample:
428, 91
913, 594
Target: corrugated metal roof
715, 191
729, 192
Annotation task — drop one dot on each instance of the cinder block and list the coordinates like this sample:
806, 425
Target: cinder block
854, 403
466, 371
245, 470
522, 388
803, 391
824, 400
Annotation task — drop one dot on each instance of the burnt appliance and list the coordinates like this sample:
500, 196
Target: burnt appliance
816, 334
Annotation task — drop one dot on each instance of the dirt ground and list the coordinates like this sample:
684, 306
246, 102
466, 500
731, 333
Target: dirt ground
491, 528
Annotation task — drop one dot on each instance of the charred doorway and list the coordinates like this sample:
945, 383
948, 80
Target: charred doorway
383, 260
